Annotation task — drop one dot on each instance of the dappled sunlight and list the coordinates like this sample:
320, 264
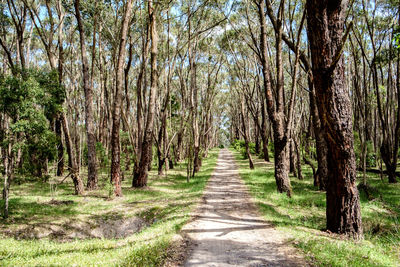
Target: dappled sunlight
227, 229
303, 216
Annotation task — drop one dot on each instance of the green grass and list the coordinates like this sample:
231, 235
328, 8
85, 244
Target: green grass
165, 205
303, 216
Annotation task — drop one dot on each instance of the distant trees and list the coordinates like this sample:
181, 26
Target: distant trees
377, 28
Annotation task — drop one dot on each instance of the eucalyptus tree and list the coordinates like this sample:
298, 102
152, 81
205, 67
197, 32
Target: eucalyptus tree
280, 117
321, 173
325, 26
116, 116
17, 15
141, 170
88, 89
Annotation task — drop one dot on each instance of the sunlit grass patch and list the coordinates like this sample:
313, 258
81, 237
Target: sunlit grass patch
303, 216
164, 205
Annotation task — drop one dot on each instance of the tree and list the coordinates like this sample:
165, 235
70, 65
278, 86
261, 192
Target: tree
325, 25
275, 102
88, 89
141, 170
115, 144
24, 100
47, 37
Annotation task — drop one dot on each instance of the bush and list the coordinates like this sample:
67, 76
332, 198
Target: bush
101, 154
31, 99
370, 157
239, 145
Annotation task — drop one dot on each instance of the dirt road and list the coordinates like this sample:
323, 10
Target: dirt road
228, 230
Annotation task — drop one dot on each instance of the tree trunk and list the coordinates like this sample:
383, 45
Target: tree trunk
9, 172
179, 143
196, 159
251, 164
325, 32
298, 160
264, 136
58, 126
141, 171
257, 141
282, 166
386, 152
91, 137
275, 105
115, 178
321, 175
139, 87
292, 157
265, 149
72, 164
60, 147
245, 129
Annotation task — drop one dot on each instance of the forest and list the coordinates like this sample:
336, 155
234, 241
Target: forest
200, 132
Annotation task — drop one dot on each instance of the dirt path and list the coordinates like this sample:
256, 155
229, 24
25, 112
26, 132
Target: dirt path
227, 229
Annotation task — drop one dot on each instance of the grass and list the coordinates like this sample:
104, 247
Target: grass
303, 216
165, 206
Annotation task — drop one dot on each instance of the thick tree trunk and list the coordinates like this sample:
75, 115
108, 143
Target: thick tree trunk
265, 149
91, 137
325, 32
115, 178
170, 163
264, 138
161, 162
281, 156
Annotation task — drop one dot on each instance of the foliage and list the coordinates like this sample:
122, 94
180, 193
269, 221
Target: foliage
371, 155
28, 99
239, 145
101, 154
